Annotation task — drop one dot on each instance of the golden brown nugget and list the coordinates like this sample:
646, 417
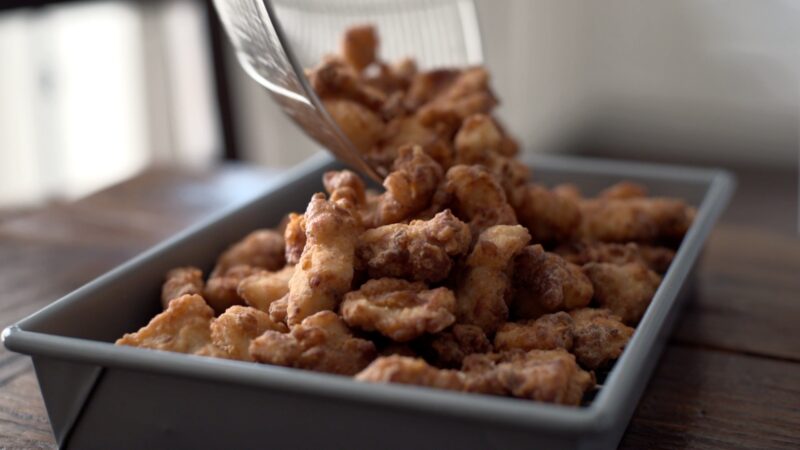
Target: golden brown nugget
405, 130
334, 79
634, 219
261, 289
183, 327
325, 270
232, 331
467, 94
478, 198
221, 290
656, 258
346, 189
418, 251
543, 375
295, 237
599, 337
480, 141
262, 249
548, 332
410, 186
360, 46
623, 190
361, 125
626, 290
485, 287
414, 371
278, 309
399, 309
448, 348
548, 215
321, 342
568, 191
546, 282
181, 281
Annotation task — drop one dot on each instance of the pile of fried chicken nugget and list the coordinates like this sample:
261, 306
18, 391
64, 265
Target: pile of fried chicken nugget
462, 275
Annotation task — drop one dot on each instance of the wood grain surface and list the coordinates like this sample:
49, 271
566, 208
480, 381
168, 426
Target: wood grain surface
730, 377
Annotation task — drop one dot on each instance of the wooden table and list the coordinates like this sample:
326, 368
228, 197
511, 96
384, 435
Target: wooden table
730, 377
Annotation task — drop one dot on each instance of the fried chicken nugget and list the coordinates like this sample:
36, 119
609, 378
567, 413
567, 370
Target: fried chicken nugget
221, 291
261, 289
626, 290
181, 281
468, 93
334, 79
414, 371
483, 291
448, 348
419, 251
548, 332
278, 309
325, 269
361, 125
183, 327
634, 219
262, 248
548, 215
599, 336
546, 282
346, 189
478, 198
405, 130
321, 342
480, 141
410, 186
656, 258
623, 190
295, 237
399, 309
360, 46
233, 330
543, 375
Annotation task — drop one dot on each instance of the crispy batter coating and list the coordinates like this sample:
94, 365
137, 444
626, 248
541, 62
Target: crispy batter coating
221, 290
599, 336
361, 125
656, 258
399, 309
278, 309
261, 248
405, 130
548, 332
415, 371
485, 287
418, 251
480, 141
325, 270
448, 348
334, 79
321, 342
467, 94
346, 189
623, 190
478, 198
548, 215
183, 327
295, 237
543, 375
181, 281
634, 219
410, 186
261, 289
626, 290
546, 282
232, 331
360, 46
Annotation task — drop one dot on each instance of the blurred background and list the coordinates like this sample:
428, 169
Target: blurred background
93, 92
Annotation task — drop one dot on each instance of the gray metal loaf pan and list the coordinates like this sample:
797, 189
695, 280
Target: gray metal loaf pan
102, 396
